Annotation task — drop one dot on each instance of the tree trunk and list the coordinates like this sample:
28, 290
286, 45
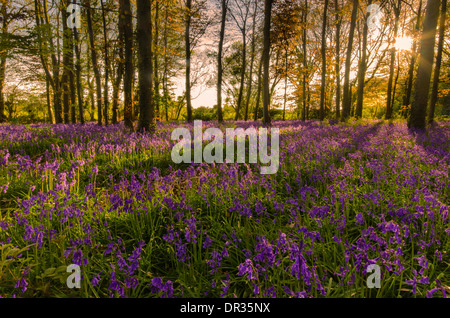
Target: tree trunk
285, 85
51, 116
266, 61
437, 69
362, 68
67, 77
324, 63
126, 25
156, 67
412, 64
187, 42
120, 72
258, 95
145, 58
252, 62
41, 17
219, 61
166, 65
105, 48
78, 76
243, 70
338, 59
346, 104
3, 56
425, 68
2, 83
390, 99
305, 64
94, 62
116, 89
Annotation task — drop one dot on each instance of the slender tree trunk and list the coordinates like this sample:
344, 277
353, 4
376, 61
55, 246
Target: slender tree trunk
305, 61
338, 59
219, 60
308, 103
41, 17
285, 84
3, 55
266, 61
390, 99
425, 68
252, 62
126, 25
324, 63
258, 95
362, 67
72, 90
397, 75
187, 41
55, 67
95, 67
437, 69
120, 72
105, 48
90, 83
145, 58
347, 99
243, 70
116, 89
78, 76
2, 82
51, 116
412, 64
67, 62
166, 65
156, 67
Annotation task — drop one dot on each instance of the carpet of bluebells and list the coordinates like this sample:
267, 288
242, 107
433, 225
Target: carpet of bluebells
346, 196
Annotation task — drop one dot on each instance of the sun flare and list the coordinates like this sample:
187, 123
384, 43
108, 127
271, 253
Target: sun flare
404, 43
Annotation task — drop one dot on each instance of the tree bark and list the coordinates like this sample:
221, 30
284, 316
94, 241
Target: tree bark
266, 61
390, 98
324, 63
252, 62
105, 48
3, 55
95, 67
41, 17
166, 65
68, 83
220, 62
119, 74
2, 83
305, 64
338, 58
126, 26
187, 42
412, 64
78, 76
145, 58
346, 104
258, 95
420, 102
362, 67
437, 69
243, 70
156, 67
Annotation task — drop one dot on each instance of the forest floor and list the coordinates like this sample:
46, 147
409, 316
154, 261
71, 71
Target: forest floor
345, 197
